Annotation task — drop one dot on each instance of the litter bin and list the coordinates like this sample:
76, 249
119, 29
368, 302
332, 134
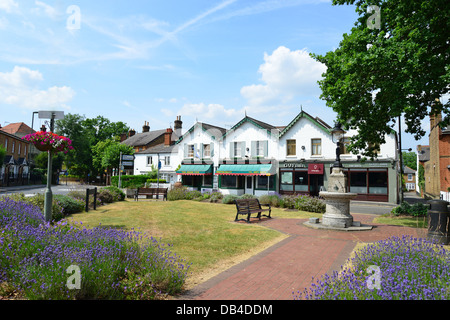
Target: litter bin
438, 221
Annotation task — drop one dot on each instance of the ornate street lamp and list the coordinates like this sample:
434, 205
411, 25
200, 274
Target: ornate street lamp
337, 135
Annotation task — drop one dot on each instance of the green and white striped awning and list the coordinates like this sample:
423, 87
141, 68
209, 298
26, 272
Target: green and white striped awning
195, 169
246, 169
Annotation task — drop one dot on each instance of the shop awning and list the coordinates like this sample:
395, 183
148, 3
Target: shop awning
246, 169
195, 169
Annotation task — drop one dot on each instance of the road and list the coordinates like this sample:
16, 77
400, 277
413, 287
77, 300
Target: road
32, 190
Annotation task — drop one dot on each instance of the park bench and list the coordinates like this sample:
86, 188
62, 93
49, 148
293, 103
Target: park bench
151, 192
248, 207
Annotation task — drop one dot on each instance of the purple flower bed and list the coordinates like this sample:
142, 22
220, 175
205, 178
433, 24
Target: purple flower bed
408, 269
113, 264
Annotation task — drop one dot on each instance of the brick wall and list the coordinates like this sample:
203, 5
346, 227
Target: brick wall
20, 146
444, 161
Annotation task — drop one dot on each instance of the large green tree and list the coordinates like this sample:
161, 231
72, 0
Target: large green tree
396, 67
85, 133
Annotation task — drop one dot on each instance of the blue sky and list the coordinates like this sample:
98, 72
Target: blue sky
137, 61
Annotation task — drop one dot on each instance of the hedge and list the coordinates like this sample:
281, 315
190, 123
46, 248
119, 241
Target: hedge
131, 181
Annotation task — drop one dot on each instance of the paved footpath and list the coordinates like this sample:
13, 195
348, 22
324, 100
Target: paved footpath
289, 266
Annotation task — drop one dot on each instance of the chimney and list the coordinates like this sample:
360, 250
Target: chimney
168, 137
123, 137
131, 133
145, 127
177, 126
43, 128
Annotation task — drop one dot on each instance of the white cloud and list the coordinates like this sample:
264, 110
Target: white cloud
8, 5
20, 88
48, 10
207, 112
285, 74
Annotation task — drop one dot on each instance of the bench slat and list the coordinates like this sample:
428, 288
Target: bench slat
249, 206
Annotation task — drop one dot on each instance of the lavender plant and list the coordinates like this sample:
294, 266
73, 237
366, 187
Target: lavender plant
410, 269
114, 264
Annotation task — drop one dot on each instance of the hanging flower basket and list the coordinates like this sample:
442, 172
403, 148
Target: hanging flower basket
49, 141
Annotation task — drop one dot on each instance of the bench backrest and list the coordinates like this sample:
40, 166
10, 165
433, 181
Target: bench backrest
250, 204
157, 190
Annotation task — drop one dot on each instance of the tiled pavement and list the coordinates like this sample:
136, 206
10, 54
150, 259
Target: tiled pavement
289, 266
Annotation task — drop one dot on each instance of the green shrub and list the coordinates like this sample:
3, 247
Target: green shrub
189, 195
118, 195
415, 210
176, 194
247, 196
310, 204
270, 199
105, 196
288, 201
70, 205
134, 181
229, 199
216, 197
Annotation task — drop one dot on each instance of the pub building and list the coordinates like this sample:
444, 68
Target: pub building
307, 155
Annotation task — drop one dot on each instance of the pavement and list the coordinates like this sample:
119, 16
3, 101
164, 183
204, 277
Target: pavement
285, 269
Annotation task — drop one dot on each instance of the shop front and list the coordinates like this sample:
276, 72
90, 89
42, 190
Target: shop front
256, 179
196, 176
301, 178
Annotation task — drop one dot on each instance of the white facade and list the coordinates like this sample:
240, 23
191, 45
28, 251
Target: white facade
146, 160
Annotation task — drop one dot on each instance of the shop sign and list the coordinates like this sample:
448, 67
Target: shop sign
315, 168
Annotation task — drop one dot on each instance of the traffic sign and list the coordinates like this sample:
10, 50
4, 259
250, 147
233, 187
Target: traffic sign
127, 163
127, 157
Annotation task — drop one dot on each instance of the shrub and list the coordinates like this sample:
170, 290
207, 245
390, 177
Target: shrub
118, 195
310, 204
272, 199
70, 205
215, 197
288, 201
192, 194
415, 210
229, 199
176, 194
105, 196
247, 196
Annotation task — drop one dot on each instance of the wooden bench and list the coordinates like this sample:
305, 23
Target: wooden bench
249, 206
150, 192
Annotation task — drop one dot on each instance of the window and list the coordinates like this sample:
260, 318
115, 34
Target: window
316, 147
260, 148
190, 151
286, 181
343, 145
208, 180
206, 151
13, 144
358, 181
261, 182
149, 161
237, 149
291, 147
18, 151
167, 160
301, 180
6, 144
228, 181
410, 176
378, 182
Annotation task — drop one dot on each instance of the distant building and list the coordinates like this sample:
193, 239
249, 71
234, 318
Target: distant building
423, 155
15, 167
409, 177
437, 169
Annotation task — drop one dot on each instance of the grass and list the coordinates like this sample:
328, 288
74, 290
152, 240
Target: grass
406, 221
202, 233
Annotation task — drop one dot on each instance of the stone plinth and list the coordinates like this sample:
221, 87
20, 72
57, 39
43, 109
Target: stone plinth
337, 213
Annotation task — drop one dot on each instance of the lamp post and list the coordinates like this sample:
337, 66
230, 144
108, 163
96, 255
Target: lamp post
337, 134
48, 198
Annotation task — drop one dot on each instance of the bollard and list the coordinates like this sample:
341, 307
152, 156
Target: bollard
438, 221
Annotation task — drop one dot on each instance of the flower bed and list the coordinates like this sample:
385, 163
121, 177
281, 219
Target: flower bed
113, 264
407, 269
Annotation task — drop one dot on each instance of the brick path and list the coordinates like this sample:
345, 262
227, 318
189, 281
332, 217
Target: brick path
290, 265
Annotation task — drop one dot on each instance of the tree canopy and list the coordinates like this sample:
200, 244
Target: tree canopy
86, 133
399, 67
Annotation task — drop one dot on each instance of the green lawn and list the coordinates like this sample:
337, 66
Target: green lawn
203, 233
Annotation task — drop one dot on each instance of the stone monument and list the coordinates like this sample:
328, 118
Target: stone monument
337, 199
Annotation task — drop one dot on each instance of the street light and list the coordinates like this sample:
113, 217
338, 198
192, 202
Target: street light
48, 199
337, 134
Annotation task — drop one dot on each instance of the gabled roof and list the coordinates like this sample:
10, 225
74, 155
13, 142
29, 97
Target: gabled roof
316, 121
408, 170
205, 127
161, 148
17, 127
257, 123
144, 138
